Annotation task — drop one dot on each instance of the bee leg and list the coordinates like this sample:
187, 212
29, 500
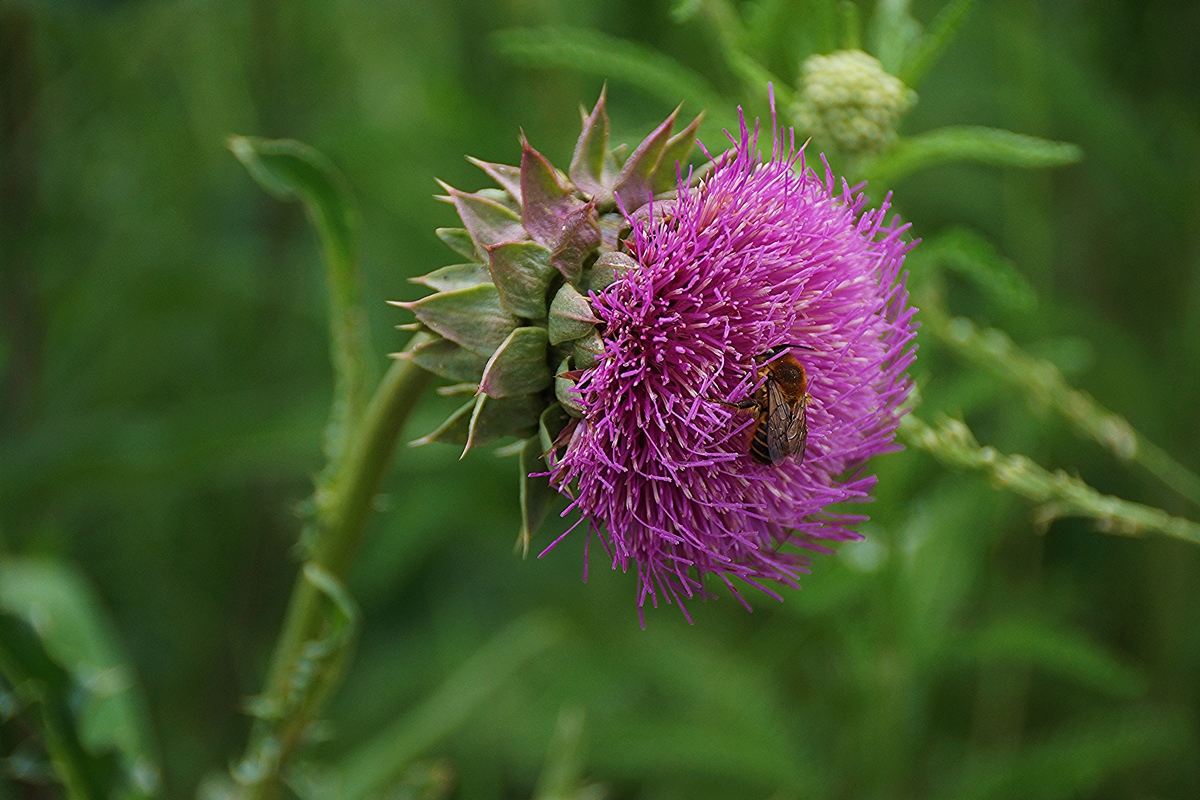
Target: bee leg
749, 402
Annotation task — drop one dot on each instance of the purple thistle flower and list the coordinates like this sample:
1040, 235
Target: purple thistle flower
756, 255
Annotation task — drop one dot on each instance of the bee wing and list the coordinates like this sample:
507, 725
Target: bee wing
787, 424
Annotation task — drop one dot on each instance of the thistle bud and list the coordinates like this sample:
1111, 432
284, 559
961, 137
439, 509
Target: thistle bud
849, 103
515, 320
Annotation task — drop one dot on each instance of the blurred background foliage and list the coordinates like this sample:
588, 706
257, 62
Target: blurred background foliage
165, 380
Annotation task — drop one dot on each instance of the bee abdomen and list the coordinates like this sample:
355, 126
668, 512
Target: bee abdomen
760, 450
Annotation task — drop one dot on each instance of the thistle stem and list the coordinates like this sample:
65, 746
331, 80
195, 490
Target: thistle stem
1056, 493
1043, 382
308, 654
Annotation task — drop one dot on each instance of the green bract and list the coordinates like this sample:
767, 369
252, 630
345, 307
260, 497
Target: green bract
513, 324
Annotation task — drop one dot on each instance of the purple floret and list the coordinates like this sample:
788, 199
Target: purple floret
758, 254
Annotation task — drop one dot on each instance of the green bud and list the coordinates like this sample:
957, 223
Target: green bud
848, 102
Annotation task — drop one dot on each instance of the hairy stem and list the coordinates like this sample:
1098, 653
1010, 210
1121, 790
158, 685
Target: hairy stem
1042, 381
318, 628
1057, 493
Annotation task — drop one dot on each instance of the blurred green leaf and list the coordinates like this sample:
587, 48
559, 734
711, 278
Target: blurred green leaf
291, 170
1073, 763
939, 34
851, 25
967, 253
60, 650
40, 681
614, 59
563, 771
991, 146
1067, 654
684, 10
385, 757
760, 80
894, 33
794, 28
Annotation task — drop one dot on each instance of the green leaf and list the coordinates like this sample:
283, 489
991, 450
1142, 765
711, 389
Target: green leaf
58, 649
454, 430
608, 268
760, 80
800, 28
1072, 763
992, 146
894, 33
519, 365
496, 417
564, 390
507, 176
673, 160
684, 10
587, 349
940, 33
975, 258
545, 201
551, 424
483, 420
465, 692
1061, 652
563, 771
616, 59
635, 182
39, 681
591, 162
487, 220
291, 170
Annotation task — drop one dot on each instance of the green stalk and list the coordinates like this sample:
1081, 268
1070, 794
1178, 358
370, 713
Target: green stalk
322, 618
1043, 382
308, 655
1056, 493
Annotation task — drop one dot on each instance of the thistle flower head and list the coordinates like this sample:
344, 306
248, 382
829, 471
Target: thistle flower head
848, 102
633, 343
758, 256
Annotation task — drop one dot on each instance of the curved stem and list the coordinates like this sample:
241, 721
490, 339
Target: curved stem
308, 653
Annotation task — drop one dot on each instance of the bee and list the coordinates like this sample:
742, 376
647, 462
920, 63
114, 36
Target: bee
780, 406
